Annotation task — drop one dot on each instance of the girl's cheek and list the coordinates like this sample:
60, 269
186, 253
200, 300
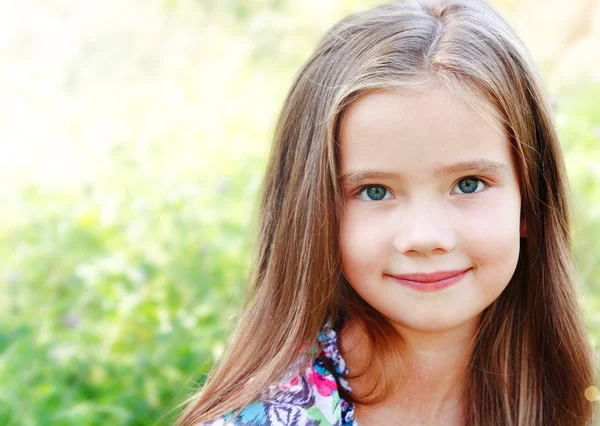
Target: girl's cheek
491, 226
359, 230
361, 236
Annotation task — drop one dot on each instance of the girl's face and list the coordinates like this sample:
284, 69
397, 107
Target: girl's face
430, 186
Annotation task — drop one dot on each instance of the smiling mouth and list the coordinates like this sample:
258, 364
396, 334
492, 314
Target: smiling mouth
430, 278
432, 281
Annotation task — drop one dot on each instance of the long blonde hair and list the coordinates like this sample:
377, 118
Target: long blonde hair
531, 360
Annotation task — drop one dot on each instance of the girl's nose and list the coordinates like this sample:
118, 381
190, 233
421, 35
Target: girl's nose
425, 229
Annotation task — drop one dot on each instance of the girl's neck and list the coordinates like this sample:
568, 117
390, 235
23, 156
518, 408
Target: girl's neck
431, 385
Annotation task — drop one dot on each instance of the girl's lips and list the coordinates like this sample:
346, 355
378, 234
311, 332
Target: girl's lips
430, 278
431, 282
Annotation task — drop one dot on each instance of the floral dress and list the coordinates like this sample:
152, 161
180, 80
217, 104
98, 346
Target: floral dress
310, 398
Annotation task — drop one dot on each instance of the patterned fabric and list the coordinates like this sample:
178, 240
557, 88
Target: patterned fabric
307, 399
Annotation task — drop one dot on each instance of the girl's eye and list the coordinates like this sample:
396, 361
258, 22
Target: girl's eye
470, 185
373, 193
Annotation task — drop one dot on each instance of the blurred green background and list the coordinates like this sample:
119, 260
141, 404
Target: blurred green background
134, 141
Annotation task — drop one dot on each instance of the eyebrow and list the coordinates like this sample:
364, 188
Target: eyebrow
480, 166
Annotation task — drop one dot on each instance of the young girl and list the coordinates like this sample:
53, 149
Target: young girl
414, 260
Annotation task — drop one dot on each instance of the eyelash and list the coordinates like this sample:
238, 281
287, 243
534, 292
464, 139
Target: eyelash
485, 183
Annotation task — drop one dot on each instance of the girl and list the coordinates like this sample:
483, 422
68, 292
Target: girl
414, 262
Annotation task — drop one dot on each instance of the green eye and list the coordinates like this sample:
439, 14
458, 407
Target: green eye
469, 185
373, 193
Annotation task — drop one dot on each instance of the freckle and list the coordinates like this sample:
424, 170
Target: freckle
592, 393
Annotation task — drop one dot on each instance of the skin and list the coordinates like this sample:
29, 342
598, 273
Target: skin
420, 219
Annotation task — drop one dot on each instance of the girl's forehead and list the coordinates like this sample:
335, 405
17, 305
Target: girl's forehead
418, 128
421, 112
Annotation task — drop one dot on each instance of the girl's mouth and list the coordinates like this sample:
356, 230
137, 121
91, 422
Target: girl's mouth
431, 281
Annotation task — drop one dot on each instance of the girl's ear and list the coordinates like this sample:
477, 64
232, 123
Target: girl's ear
523, 230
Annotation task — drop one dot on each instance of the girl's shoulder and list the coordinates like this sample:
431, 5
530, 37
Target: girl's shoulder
303, 398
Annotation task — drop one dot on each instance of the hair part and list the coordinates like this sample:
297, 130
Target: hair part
531, 359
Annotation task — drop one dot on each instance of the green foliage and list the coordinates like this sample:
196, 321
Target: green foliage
120, 293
